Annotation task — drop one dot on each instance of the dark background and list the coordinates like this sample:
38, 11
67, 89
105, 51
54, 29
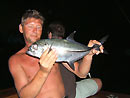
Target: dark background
92, 19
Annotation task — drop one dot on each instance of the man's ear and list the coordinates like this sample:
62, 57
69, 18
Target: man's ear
20, 28
50, 35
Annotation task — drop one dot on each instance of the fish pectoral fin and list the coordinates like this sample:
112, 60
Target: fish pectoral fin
71, 64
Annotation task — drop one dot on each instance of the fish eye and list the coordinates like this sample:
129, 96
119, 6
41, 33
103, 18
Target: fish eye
34, 47
45, 44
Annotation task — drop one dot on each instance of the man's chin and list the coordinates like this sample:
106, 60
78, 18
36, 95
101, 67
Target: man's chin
35, 40
32, 41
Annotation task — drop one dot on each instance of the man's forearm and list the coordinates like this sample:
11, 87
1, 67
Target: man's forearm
85, 65
32, 89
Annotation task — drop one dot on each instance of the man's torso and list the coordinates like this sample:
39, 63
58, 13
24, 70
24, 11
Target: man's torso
53, 86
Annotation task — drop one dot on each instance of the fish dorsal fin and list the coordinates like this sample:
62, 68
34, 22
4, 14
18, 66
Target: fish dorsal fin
71, 37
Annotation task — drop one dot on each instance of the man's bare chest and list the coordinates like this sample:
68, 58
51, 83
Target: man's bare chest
30, 68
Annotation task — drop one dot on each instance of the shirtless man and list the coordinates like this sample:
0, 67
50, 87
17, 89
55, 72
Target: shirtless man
41, 78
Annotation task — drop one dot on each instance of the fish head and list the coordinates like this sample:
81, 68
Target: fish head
36, 50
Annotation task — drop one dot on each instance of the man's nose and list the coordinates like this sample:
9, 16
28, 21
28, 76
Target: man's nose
35, 30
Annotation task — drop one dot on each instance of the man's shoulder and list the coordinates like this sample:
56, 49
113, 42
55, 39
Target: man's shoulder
15, 58
15, 62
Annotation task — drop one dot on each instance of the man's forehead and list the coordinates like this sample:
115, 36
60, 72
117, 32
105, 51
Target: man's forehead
33, 21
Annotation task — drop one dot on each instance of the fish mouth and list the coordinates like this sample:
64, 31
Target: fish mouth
29, 53
32, 54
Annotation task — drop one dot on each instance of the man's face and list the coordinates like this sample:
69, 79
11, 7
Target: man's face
32, 30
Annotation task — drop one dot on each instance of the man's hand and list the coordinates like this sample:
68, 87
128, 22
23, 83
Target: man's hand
48, 59
94, 51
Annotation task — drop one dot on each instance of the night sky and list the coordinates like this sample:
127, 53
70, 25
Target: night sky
92, 19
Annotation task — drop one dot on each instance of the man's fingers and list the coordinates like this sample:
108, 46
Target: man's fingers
101, 48
44, 53
92, 42
48, 58
52, 56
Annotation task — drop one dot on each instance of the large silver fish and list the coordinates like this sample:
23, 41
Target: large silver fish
68, 49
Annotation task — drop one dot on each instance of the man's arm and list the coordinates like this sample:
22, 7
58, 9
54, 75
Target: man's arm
30, 89
85, 65
83, 68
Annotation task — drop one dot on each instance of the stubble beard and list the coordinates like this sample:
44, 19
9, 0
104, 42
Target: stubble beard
32, 40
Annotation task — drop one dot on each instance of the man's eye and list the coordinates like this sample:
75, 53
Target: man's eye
30, 26
39, 27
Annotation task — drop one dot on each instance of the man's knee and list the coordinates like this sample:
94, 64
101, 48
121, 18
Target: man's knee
99, 82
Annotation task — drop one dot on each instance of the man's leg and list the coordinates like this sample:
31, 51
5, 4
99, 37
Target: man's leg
88, 87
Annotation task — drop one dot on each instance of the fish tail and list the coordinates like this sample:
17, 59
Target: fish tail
102, 40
